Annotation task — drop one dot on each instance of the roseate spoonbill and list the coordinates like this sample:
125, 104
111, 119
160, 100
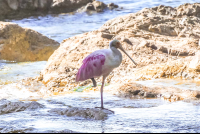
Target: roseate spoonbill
101, 63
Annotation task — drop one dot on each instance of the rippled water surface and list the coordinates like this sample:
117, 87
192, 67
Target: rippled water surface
131, 115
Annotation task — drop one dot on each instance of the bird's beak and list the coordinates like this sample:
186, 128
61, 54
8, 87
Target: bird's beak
121, 48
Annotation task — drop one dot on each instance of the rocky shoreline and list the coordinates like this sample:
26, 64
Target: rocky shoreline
163, 40
12, 9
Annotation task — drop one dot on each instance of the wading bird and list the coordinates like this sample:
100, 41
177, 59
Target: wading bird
101, 63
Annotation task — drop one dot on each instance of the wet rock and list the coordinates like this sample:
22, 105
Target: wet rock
60, 131
58, 6
16, 130
23, 44
112, 6
4, 9
10, 107
89, 7
135, 90
22, 8
88, 113
99, 6
132, 90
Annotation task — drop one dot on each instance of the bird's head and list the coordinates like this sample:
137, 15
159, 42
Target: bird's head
116, 44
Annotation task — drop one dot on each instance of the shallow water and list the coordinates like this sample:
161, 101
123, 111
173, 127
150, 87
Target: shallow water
13, 71
131, 115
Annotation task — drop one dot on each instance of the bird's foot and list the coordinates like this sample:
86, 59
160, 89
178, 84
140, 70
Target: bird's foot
106, 109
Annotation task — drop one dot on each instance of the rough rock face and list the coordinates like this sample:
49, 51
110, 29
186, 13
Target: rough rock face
23, 44
132, 90
21, 8
164, 41
91, 113
24, 8
9, 107
59, 6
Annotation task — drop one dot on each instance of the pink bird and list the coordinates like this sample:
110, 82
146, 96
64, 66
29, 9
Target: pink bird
101, 63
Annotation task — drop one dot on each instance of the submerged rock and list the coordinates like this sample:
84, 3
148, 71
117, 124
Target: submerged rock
88, 113
10, 129
59, 131
23, 44
10, 107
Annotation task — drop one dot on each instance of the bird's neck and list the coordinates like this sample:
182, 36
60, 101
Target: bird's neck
116, 51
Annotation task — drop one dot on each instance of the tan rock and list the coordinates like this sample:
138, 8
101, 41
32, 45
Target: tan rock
150, 36
23, 44
189, 9
195, 62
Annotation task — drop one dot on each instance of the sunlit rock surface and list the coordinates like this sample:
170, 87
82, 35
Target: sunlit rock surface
23, 44
132, 90
88, 113
163, 40
16, 106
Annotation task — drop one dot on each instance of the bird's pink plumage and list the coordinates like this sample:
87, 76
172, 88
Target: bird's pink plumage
91, 67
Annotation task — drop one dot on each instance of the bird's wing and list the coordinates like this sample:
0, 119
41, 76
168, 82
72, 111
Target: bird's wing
91, 67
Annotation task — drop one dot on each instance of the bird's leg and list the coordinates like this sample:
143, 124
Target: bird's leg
103, 80
102, 91
94, 82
